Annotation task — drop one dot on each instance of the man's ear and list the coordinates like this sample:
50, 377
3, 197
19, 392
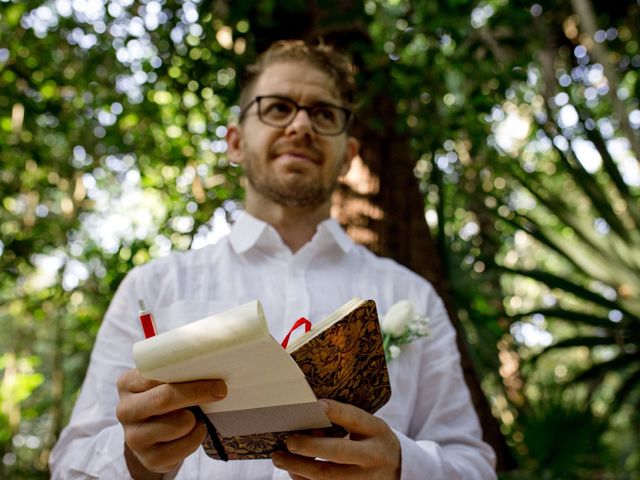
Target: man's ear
352, 150
235, 152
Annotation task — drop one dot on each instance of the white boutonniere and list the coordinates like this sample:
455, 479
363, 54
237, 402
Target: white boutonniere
401, 325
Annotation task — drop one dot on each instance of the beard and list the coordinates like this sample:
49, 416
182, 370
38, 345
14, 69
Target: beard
302, 191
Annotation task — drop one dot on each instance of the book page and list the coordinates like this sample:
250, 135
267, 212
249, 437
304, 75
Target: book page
234, 346
216, 332
257, 374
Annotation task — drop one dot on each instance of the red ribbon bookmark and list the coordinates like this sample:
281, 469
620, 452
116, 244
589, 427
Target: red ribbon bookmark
299, 322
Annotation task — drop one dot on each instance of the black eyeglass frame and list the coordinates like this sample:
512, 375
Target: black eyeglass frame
348, 114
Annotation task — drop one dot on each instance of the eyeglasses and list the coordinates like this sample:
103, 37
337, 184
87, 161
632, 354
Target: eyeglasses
277, 111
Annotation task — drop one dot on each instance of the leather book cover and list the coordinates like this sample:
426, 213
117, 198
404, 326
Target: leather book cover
345, 363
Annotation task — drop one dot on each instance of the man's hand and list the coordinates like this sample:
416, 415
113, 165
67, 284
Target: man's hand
370, 452
159, 432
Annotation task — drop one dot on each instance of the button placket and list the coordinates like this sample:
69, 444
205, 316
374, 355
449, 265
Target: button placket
297, 293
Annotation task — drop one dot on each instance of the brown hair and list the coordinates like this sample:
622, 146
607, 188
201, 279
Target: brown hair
323, 57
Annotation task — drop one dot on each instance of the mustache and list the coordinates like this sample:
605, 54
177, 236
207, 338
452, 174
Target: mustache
305, 148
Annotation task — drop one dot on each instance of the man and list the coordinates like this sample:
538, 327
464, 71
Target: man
293, 143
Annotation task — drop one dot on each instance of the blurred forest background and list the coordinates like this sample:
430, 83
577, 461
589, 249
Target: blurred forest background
506, 138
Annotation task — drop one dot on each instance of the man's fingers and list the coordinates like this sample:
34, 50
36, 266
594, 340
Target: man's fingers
309, 468
166, 428
167, 397
371, 449
171, 396
354, 419
132, 381
338, 450
158, 429
163, 457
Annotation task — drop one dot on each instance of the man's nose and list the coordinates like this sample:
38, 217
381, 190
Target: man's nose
301, 122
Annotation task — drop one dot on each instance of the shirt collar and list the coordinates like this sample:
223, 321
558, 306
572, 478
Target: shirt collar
331, 229
248, 232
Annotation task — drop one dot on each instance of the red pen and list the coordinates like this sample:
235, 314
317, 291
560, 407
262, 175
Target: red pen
146, 320
149, 329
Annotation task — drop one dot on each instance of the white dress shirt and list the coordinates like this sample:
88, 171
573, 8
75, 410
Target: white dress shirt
430, 408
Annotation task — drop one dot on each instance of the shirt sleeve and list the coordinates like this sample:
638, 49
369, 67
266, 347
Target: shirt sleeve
444, 438
92, 444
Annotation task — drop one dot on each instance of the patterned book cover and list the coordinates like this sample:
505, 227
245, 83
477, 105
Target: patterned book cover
345, 363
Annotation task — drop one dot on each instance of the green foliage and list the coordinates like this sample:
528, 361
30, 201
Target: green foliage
96, 122
18, 383
533, 195
563, 435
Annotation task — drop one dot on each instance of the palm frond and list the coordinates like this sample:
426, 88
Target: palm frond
570, 316
598, 370
577, 446
630, 385
582, 341
612, 170
555, 281
592, 249
599, 199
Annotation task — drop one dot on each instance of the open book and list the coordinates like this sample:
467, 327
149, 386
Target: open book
272, 391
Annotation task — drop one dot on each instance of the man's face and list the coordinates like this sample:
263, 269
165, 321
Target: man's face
292, 166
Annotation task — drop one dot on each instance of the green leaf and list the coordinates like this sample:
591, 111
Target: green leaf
554, 281
597, 371
582, 341
630, 385
598, 197
571, 316
13, 14
612, 169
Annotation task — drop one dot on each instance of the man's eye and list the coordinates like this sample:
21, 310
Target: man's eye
325, 114
278, 108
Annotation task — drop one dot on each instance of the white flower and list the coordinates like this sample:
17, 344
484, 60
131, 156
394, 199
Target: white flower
401, 325
422, 329
397, 319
